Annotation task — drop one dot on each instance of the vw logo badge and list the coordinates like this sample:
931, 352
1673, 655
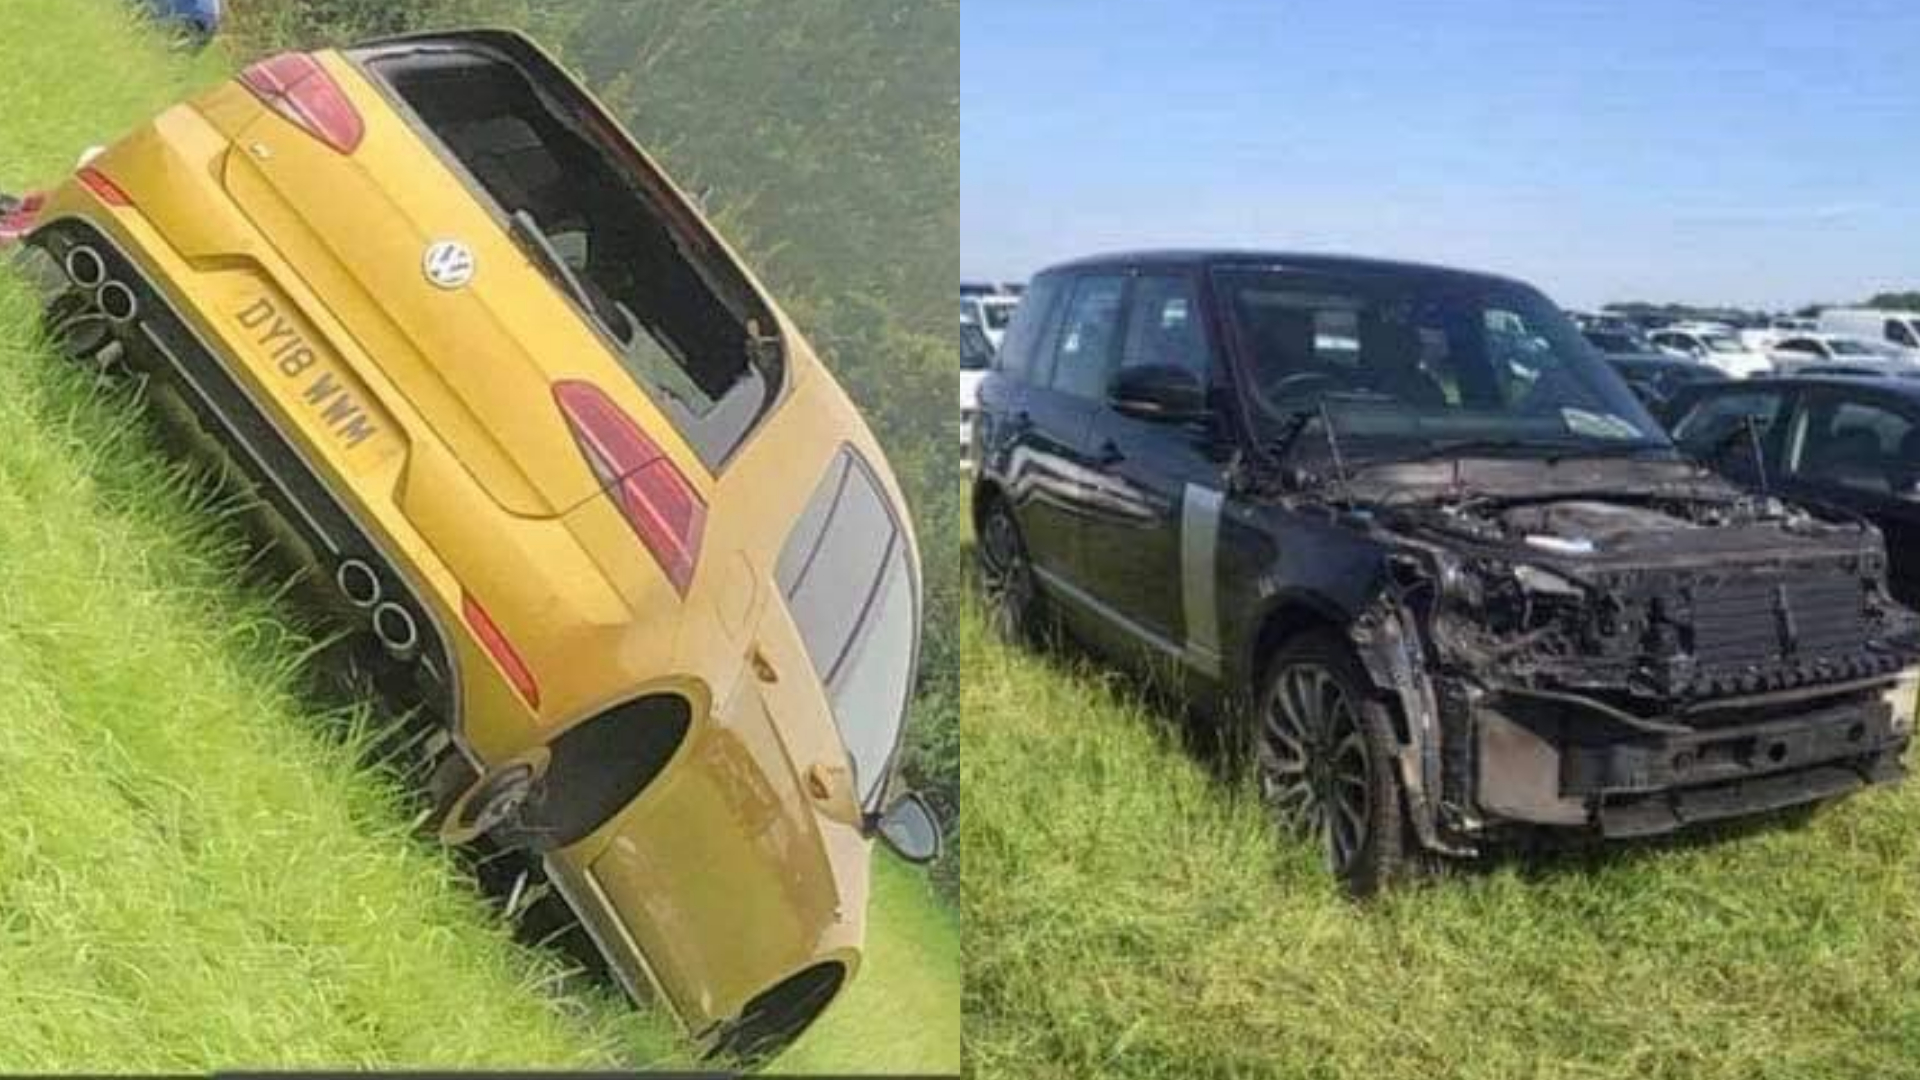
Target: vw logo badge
448, 264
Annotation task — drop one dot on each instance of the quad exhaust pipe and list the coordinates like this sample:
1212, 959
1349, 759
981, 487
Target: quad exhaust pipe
117, 303
87, 269
395, 628
393, 624
358, 583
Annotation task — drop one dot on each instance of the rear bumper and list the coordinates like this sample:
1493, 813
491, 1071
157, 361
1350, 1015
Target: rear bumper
1558, 764
162, 344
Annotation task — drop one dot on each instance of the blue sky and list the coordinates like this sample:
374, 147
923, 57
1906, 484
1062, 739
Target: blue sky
1761, 152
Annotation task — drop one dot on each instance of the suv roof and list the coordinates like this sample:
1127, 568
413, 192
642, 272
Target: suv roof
1303, 261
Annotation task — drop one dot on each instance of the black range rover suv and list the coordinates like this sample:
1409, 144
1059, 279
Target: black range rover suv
1407, 522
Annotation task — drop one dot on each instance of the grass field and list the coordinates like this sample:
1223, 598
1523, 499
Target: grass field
1129, 914
194, 873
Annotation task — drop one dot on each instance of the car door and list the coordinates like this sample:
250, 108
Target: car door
1148, 539
1859, 449
1051, 477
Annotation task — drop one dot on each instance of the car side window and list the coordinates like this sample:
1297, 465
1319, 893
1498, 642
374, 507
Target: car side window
1084, 349
1027, 330
1713, 421
1800, 345
1856, 444
1901, 334
1163, 325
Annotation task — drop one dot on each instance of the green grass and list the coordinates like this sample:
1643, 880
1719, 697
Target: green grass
1130, 914
195, 872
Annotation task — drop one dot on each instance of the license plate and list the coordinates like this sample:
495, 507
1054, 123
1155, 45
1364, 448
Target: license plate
313, 385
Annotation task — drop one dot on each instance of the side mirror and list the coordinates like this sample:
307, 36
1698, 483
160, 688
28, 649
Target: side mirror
1159, 392
909, 828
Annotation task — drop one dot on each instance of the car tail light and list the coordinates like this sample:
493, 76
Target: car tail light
296, 86
97, 182
500, 649
20, 220
650, 491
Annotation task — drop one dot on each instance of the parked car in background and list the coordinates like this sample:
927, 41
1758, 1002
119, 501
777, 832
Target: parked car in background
990, 313
1900, 329
1651, 374
1655, 377
620, 542
1459, 583
1791, 352
1713, 347
1619, 340
1842, 440
976, 356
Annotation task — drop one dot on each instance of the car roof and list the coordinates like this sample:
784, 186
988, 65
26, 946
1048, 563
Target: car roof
1321, 262
1897, 385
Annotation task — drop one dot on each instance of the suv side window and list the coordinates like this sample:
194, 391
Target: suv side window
1085, 348
1717, 417
1163, 325
1857, 444
1030, 319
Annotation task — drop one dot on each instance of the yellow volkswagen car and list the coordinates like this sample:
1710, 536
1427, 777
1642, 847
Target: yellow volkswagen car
559, 452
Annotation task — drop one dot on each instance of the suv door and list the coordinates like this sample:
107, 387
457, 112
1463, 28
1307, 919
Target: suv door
1049, 475
1149, 543
1861, 451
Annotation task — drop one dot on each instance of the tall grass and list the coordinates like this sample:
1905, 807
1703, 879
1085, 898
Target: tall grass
1131, 914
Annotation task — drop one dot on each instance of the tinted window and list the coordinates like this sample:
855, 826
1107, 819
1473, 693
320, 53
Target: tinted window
1163, 325
1084, 348
1857, 444
976, 352
1024, 331
1801, 345
1713, 421
845, 573
1901, 334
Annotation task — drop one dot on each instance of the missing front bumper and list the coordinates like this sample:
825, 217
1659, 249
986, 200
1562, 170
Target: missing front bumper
1558, 765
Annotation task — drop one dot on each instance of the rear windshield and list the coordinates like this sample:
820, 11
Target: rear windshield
680, 318
848, 579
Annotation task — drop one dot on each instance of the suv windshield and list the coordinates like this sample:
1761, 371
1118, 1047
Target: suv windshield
1407, 363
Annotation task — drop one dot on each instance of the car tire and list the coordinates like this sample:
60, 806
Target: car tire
1325, 752
1007, 582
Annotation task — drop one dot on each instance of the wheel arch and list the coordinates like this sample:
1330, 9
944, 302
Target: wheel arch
601, 764
1294, 612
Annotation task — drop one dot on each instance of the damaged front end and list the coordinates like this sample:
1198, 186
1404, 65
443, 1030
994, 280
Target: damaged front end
1634, 662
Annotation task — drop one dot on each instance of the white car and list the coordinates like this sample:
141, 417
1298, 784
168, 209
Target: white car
976, 356
1715, 348
990, 313
1791, 352
1898, 328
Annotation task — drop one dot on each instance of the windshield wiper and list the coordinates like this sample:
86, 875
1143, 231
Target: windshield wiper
533, 240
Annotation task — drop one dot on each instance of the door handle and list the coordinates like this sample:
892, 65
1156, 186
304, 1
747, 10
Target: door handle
1109, 454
